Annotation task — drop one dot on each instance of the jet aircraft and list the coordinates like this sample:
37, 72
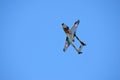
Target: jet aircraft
71, 34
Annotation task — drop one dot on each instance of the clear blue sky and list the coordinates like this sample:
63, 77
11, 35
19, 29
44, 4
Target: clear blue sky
32, 40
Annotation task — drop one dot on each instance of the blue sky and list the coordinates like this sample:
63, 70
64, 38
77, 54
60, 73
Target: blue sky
32, 40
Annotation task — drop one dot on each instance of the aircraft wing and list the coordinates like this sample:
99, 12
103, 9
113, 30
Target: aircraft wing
73, 29
67, 43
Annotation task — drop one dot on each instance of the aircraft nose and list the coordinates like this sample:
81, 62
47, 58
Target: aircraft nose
62, 24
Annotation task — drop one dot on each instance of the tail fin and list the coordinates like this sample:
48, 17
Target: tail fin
80, 48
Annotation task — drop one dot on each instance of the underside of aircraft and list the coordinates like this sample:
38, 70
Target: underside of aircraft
71, 35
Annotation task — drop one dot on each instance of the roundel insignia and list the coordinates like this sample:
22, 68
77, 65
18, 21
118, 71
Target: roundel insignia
66, 45
76, 25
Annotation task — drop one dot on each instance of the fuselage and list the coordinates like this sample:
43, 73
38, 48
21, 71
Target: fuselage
67, 31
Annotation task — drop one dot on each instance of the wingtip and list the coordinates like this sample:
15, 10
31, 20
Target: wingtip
78, 21
64, 50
